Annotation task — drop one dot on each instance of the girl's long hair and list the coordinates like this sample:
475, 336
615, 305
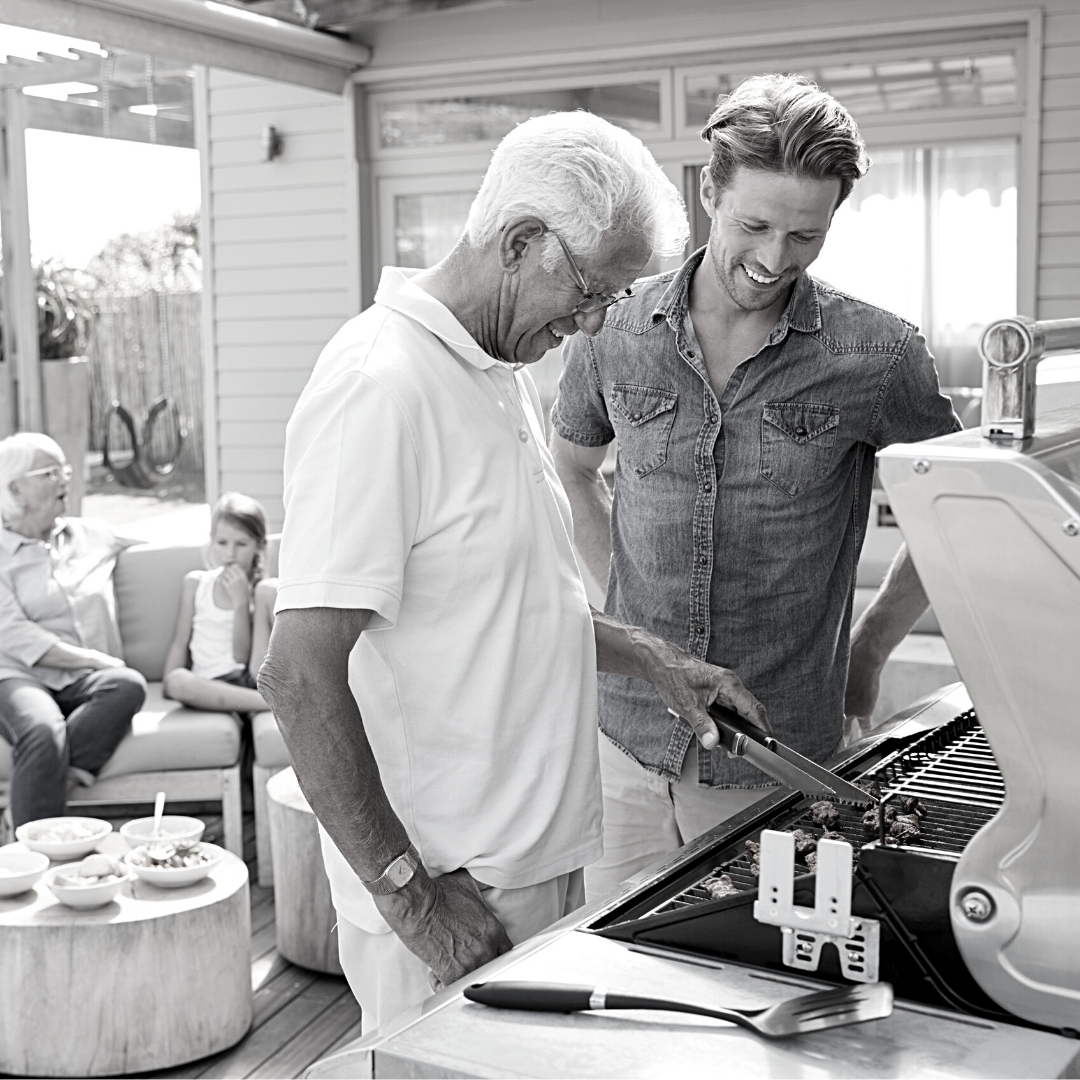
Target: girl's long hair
248, 514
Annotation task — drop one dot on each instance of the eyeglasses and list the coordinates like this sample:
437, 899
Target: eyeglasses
53, 472
593, 301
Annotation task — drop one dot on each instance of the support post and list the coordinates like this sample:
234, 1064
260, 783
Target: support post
20, 299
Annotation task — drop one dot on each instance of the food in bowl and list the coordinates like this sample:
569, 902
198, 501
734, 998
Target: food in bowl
89, 884
63, 837
21, 870
93, 870
175, 828
172, 866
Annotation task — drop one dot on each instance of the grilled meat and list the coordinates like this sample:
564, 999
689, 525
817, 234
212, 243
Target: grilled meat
719, 885
824, 814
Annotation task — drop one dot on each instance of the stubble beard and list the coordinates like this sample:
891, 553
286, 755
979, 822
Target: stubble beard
745, 299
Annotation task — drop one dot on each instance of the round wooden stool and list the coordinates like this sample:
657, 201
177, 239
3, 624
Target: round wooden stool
156, 978
303, 909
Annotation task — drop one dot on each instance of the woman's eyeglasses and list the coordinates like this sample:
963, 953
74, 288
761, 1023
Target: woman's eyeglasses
53, 472
593, 301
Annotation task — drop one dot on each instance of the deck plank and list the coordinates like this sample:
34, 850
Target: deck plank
310, 1044
344, 1039
284, 1025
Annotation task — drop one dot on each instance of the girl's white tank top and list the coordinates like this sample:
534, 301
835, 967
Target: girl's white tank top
211, 643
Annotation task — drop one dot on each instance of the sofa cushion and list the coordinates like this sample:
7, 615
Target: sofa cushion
166, 735
270, 751
148, 579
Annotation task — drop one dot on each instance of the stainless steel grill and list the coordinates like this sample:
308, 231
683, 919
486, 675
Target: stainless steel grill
951, 770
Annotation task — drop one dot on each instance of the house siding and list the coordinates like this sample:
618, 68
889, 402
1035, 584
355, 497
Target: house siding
280, 267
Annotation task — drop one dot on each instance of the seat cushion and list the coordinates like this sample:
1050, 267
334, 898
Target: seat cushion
270, 751
166, 735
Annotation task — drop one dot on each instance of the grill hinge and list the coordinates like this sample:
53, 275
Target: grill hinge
807, 930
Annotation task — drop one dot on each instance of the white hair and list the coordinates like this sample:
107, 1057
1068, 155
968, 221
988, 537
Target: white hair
17, 453
584, 178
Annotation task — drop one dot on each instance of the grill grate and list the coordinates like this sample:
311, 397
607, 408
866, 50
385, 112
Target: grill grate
951, 770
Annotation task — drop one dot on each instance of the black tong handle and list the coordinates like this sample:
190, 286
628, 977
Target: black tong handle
723, 715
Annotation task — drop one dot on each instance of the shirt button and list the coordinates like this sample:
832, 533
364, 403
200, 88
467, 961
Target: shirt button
690, 352
800, 431
640, 470
523, 436
699, 629
708, 486
702, 560
712, 418
637, 416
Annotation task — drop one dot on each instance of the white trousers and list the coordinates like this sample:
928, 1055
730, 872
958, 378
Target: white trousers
386, 978
647, 817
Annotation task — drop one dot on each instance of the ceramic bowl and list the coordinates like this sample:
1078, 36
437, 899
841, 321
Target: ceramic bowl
85, 896
21, 870
174, 827
31, 834
176, 877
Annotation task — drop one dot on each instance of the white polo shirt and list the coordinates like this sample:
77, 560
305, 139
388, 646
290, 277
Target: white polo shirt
418, 485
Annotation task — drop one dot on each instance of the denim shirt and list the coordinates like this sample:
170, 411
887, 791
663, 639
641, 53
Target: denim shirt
736, 524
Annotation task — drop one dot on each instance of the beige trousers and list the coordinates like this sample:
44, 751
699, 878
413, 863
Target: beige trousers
647, 817
387, 979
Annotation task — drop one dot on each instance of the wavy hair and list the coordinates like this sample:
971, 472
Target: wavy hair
784, 124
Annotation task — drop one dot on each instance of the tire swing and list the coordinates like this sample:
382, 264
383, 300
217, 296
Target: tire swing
121, 452
163, 434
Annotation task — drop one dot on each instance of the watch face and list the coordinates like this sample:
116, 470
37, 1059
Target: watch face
400, 872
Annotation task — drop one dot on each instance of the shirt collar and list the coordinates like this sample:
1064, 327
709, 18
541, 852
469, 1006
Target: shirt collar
803, 311
11, 541
396, 291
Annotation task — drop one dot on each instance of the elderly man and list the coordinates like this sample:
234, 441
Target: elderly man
748, 400
433, 660
66, 699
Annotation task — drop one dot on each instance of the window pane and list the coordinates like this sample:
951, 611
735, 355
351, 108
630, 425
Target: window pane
487, 118
426, 227
896, 86
931, 236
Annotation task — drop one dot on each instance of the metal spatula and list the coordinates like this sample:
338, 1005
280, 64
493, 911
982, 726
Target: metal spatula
811, 1012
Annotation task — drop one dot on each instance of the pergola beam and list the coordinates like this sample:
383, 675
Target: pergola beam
200, 32
76, 118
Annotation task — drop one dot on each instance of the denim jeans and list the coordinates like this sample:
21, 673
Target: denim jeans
79, 725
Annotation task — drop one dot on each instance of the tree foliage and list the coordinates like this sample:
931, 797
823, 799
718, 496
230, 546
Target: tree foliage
165, 259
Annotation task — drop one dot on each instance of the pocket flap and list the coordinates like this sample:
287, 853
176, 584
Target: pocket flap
801, 421
639, 404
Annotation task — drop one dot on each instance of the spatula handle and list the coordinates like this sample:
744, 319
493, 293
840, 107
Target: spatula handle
534, 997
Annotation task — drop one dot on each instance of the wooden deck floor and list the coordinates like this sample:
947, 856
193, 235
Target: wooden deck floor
300, 1016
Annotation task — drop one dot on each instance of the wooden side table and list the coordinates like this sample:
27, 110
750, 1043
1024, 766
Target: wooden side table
156, 978
303, 908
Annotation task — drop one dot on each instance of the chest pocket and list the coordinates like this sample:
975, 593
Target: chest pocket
642, 417
797, 442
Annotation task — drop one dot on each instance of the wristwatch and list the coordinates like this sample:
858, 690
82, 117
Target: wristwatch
397, 875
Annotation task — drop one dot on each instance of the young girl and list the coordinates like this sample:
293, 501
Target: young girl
225, 615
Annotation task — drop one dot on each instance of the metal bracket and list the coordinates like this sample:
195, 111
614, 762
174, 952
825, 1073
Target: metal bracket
806, 930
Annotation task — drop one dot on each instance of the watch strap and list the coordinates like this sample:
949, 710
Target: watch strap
397, 875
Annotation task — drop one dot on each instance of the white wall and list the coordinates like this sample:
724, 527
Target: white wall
281, 252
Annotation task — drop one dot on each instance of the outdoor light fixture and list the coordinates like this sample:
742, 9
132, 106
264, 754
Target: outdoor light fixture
273, 143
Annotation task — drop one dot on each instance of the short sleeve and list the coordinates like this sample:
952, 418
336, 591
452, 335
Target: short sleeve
352, 500
580, 413
23, 640
911, 406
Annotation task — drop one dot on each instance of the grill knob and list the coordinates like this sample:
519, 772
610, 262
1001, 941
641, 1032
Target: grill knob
976, 906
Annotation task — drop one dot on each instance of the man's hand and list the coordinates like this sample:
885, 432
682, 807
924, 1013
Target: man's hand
686, 685
445, 922
235, 583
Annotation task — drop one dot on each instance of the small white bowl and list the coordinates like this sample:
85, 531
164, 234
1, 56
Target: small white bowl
85, 896
24, 870
63, 849
174, 827
176, 877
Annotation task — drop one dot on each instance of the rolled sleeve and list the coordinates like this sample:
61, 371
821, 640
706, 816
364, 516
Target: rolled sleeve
580, 413
911, 406
21, 640
352, 501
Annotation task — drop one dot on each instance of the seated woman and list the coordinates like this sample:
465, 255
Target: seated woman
66, 698
225, 615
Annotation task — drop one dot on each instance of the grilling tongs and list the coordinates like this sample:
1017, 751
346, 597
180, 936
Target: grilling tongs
741, 738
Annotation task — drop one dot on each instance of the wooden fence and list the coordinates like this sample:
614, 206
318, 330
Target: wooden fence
143, 347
